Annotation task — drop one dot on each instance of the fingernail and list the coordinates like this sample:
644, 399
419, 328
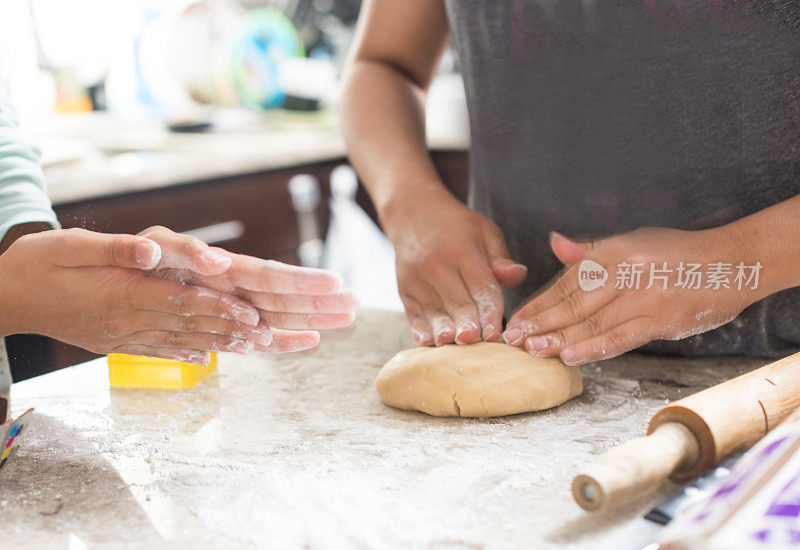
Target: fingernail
261, 335
202, 359
421, 338
488, 329
305, 282
536, 343
266, 334
506, 263
245, 314
512, 336
258, 336
442, 336
148, 254
555, 234
568, 356
215, 259
240, 346
463, 329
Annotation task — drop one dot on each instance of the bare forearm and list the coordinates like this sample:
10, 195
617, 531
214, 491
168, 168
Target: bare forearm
383, 123
770, 237
14, 233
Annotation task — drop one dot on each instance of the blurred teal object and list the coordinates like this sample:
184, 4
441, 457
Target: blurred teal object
267, 38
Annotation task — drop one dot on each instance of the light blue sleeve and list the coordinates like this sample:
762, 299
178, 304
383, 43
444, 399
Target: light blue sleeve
23, 198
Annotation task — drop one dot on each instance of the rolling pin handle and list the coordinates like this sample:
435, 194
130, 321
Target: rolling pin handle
635, 466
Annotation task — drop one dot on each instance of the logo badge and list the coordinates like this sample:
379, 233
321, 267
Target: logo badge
591, 275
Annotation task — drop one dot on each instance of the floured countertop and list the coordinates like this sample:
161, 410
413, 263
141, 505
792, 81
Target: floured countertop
297, 451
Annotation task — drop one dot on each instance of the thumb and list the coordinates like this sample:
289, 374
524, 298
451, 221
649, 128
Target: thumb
566, 250
186, 252
81, 248
507, 272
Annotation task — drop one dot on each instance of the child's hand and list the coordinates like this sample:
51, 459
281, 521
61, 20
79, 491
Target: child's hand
294, 302
92, 290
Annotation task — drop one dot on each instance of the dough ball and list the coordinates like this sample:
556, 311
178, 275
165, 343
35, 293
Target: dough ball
477, 380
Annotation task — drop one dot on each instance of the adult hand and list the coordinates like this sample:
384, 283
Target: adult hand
679, 291
92, 290
451, 263
294, 302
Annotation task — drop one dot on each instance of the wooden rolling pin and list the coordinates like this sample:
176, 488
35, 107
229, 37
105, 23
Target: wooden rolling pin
692, 434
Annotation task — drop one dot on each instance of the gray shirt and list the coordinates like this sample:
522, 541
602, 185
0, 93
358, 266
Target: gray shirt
595, 117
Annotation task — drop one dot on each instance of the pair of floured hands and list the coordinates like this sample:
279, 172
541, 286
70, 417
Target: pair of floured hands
654, 291
452, 262
164, 294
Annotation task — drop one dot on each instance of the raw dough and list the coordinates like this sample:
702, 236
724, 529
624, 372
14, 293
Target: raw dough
478, 380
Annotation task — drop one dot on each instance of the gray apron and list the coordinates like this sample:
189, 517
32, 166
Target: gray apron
595, 117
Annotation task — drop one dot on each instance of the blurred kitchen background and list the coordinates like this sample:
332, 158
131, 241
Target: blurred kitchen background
216, 118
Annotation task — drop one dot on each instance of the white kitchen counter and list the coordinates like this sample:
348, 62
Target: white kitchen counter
297, 451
